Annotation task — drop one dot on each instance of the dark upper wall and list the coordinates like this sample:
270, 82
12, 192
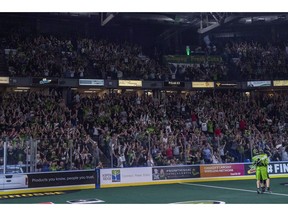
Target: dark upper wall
168, 39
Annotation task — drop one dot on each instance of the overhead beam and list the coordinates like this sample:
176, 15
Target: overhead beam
107, 17
217, 20
208, 28
218, 24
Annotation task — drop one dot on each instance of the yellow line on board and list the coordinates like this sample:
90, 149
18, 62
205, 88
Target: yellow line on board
47, 189
174, 181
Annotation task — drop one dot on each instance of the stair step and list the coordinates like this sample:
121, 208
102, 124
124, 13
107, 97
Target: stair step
3, 65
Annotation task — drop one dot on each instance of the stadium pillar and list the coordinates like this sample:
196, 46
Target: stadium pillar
5, 155
97, 175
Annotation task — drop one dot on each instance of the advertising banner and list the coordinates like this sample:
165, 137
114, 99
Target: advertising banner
202, 84
61, 179
152, 84
215, 170
20, 81
125, 175
130, 83
4, 80
192, 59
174, 84
227, 85
69, 82
280, 83
12, 51
91, 82
273, 168
44, 81
111, 83
249, 169
258, 84
177, 172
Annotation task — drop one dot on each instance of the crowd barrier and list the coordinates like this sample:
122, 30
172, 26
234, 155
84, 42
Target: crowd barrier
46, 179
116, 177
119, 177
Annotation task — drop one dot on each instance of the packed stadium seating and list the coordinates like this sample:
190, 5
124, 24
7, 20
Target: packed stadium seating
53, 56
127, 130
142, 131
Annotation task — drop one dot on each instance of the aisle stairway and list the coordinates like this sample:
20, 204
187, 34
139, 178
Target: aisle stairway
3, 66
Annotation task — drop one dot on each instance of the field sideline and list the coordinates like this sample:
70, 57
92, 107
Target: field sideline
229, 192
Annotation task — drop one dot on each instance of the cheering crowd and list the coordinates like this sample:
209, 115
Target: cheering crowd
253, 60
52, 56
56, 57
133, 130
128, 130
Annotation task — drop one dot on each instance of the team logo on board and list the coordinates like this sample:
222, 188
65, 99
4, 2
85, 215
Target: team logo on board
116, 176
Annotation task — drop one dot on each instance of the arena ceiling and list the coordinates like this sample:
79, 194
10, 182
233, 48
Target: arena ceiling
202, 22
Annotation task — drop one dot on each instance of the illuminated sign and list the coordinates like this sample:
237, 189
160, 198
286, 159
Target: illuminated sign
4, 80
280, 83
45, 81
225, 85
174, 84
202, 84
130, 83
191, 59
258, 83
91, 82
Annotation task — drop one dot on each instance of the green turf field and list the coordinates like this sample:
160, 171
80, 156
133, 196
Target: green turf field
230, 192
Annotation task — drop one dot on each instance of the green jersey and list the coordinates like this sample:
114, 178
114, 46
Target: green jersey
261, 162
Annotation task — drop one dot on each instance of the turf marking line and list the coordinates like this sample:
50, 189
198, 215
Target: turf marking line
227, 188
200, 202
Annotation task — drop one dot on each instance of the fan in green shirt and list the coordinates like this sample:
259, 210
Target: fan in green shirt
210, 127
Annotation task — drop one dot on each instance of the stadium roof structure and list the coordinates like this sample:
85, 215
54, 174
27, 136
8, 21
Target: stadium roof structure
159, 28
202, 22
